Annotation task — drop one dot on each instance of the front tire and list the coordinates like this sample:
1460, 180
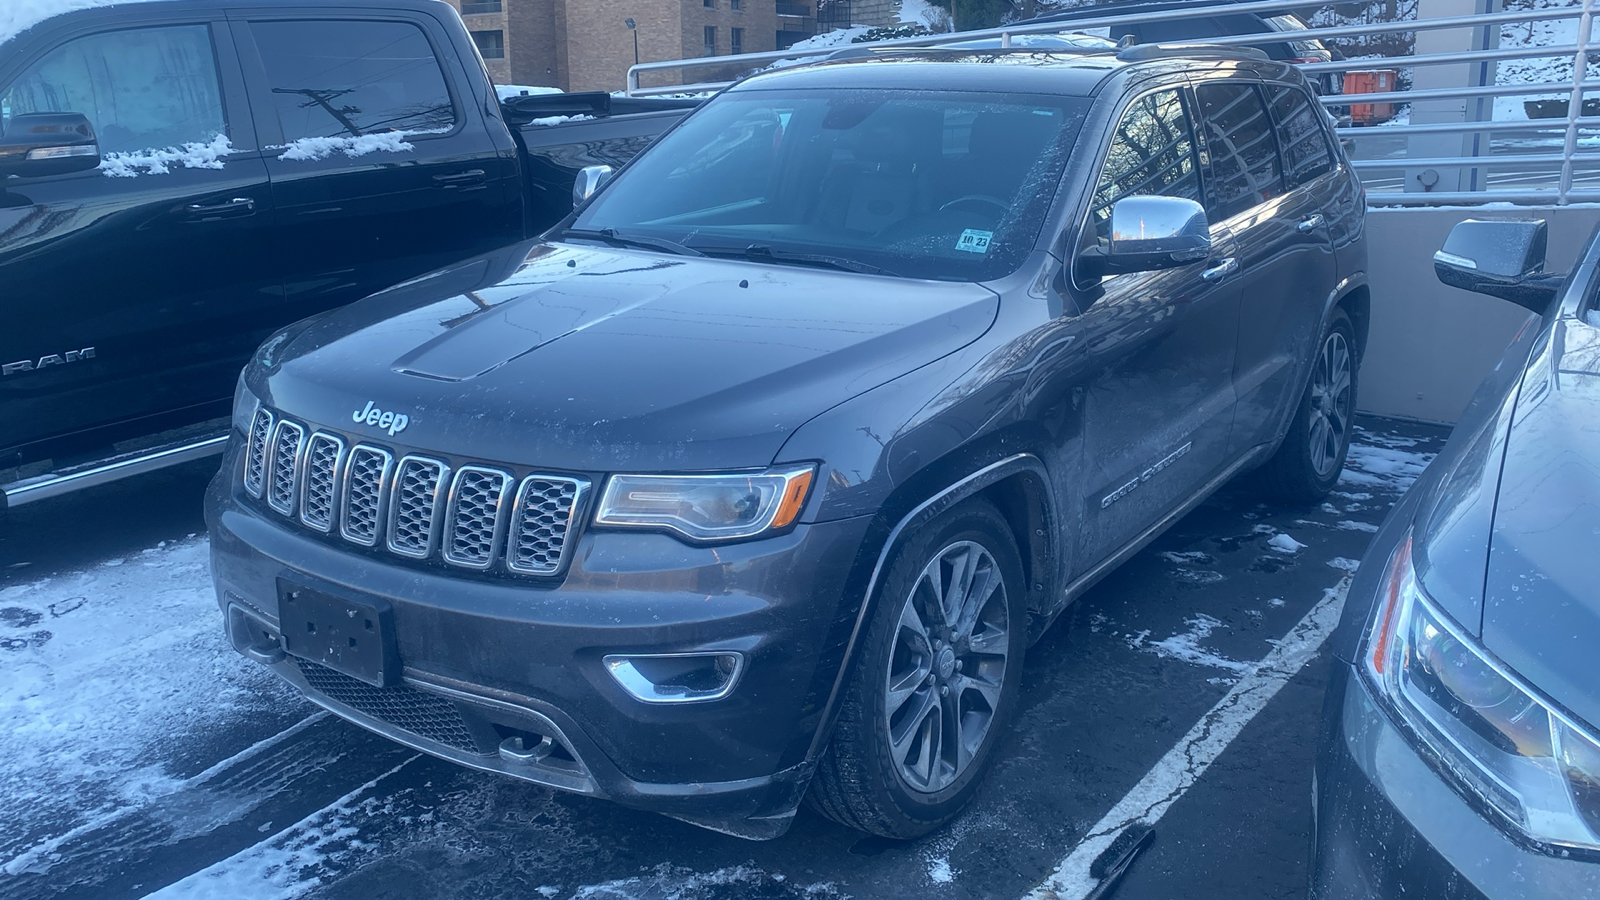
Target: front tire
935, 682
1308, 462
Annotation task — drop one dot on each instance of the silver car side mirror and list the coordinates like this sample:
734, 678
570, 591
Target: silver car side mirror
589, 180
1150, 233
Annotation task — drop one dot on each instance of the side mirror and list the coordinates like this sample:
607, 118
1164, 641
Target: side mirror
36, 144
1501, 259
590, 178
1150, 233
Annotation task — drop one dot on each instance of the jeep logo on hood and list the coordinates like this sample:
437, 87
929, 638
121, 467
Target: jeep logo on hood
372, 415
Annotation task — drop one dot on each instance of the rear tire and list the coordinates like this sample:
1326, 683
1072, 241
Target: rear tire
1308, 462
935, 682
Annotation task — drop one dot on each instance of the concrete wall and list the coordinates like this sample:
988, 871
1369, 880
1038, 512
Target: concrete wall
1430, 344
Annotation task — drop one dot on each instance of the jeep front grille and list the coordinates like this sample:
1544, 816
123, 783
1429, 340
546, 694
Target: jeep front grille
288, 439
321, 479
474, 516
540, 524
477, 506
255, 454
414, 506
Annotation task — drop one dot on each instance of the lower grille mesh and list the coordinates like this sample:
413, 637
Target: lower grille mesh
403, 706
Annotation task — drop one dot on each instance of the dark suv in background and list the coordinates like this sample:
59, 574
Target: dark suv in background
756, 479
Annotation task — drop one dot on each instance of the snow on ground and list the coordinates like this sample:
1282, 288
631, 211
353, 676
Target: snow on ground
16, 15
1283, 543
1383, 466
557, 120
104, 675
1186, 646
197, 155
667, 881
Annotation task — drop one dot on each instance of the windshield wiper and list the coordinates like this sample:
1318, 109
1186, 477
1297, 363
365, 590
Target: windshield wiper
611, 236
763, 253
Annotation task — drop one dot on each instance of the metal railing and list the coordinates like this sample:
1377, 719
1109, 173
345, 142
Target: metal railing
1558, 175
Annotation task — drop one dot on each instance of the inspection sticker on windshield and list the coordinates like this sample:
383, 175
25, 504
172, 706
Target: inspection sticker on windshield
974, 241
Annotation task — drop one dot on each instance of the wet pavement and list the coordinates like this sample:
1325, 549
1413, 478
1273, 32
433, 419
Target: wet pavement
142, 757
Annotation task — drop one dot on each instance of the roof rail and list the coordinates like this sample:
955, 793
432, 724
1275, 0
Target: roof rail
1147, 52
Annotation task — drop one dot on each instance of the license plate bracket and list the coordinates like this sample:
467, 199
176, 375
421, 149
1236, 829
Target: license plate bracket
351, 635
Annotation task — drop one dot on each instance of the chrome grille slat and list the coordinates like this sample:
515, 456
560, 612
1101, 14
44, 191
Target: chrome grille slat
477, 509
541, 522
320, 480
283, 469
255, 454
366, 475
420, 507
414, 505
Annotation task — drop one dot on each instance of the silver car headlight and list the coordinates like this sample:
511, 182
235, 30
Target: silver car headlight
1534, 765
720, 507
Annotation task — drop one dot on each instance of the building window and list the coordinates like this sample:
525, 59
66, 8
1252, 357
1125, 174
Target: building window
736, 41
479, 7
491, 44
711, 41
736, 5
710, 4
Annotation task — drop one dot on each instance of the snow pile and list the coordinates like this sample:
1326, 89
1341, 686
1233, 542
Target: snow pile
921, 12
1283, 543
315, 148
557, 120
1539, 70
830, 40
19, 15
206, 155
509, 91
104, 675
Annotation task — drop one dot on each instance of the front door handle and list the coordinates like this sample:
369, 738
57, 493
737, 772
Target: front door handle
1311, 223
238, 206
1221, 270
471, 176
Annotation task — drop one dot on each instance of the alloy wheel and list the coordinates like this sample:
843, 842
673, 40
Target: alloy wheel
947, 666
1330, 403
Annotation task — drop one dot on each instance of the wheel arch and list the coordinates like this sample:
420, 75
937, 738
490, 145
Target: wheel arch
1016, 481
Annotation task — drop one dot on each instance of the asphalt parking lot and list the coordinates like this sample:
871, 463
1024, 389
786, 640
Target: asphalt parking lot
141, 756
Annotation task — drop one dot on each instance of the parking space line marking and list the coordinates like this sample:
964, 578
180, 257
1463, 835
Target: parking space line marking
1183, 765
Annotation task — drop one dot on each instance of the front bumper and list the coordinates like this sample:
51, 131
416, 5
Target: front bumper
1388, 826
485, 660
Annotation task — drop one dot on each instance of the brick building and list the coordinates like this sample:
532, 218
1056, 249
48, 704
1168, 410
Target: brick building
586, 45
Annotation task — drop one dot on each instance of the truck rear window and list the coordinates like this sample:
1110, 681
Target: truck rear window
947, 185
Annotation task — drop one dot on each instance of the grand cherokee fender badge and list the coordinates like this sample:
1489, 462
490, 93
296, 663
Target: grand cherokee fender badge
1144, 476
44, 362
372, 415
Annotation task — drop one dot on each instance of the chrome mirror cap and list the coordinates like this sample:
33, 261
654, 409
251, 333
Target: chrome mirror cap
1159, 225
589, 180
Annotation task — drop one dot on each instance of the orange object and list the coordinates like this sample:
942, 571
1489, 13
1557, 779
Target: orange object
1371, 81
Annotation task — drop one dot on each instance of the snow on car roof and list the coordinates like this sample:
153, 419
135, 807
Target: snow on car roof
16, 16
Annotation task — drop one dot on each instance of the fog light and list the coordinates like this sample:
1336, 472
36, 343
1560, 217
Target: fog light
677, 677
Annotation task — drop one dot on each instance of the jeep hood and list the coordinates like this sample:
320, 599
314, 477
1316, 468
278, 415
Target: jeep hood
604, 360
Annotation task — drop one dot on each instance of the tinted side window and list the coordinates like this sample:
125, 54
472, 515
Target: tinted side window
1301, 137
141, 89
347, 79
1152, 152
1244, 154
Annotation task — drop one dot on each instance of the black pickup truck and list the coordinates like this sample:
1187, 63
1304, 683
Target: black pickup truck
180, 178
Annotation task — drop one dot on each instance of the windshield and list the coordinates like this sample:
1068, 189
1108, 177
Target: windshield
944, 185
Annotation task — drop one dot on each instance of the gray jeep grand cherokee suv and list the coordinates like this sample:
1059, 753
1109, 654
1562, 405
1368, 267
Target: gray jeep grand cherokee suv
754, 480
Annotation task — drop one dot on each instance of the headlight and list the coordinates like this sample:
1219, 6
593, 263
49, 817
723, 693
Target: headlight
1531, 763
245, 405
707, 507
